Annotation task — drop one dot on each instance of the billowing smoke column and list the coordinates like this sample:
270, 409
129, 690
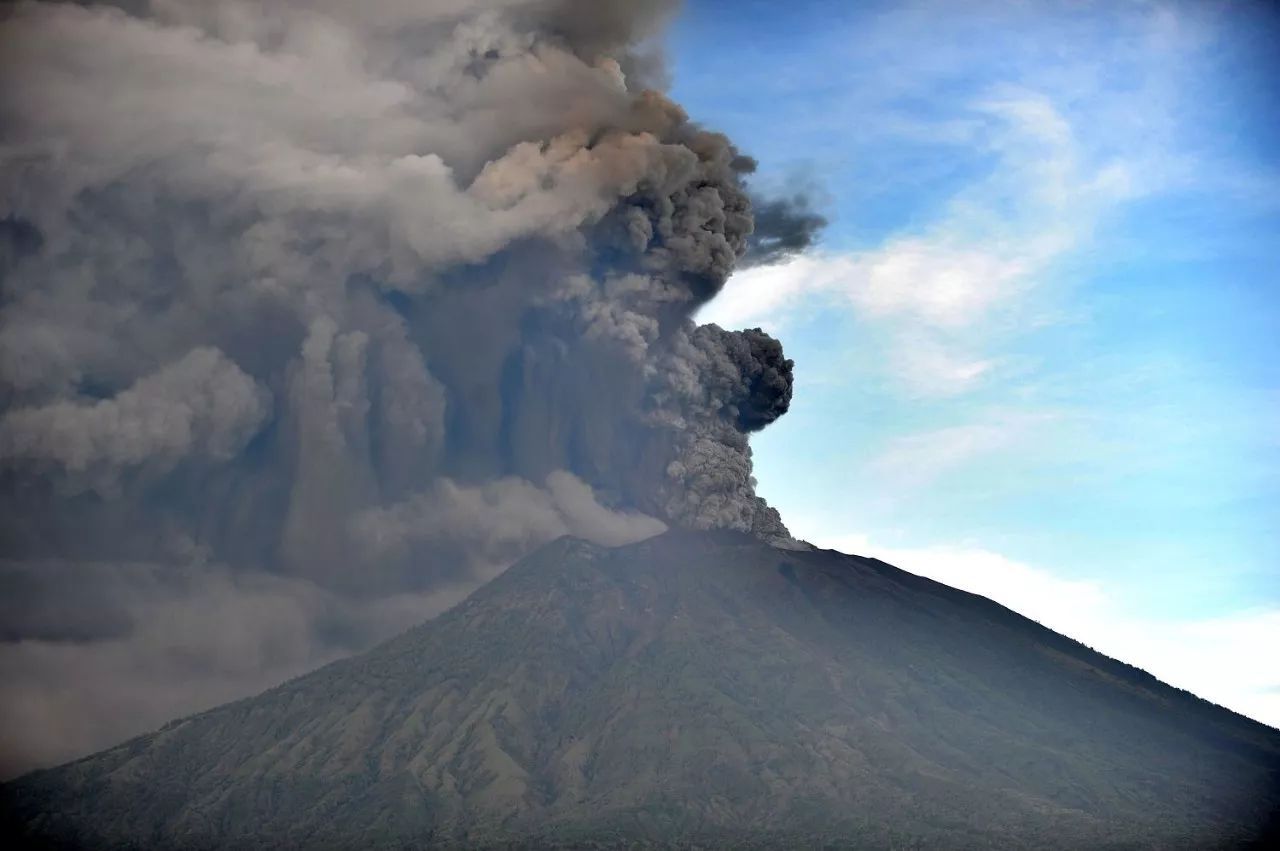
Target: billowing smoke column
314, 314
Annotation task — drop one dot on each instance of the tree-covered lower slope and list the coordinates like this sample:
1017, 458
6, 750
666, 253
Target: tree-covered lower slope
695, 690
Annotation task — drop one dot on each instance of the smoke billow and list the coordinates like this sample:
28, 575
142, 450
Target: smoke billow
783, 227
320, 313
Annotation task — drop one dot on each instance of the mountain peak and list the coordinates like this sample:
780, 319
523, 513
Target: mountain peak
697, 688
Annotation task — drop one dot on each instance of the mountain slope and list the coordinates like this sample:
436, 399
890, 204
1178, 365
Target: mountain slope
694, 689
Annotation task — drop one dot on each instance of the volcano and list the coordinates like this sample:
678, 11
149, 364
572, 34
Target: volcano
692, 690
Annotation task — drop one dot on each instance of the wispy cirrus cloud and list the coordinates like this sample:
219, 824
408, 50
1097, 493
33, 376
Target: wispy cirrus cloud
916, 459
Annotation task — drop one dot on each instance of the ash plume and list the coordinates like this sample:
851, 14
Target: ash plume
783, 227
324, 313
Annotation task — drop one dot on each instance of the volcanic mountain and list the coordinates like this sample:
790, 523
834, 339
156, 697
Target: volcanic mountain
693, 690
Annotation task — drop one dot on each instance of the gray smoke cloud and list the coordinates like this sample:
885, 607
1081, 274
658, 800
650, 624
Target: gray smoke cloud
201, 406
314, 315
783, 227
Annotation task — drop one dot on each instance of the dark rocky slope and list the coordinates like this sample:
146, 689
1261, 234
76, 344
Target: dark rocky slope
692, 690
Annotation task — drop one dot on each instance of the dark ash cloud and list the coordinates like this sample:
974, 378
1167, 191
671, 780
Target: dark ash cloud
314, 315
783, 227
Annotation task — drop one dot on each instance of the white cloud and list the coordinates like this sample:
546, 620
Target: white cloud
936, 281
764, 295
917, 459
1221, 659
928, 367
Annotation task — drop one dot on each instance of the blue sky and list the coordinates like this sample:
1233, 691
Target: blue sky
1038, 350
